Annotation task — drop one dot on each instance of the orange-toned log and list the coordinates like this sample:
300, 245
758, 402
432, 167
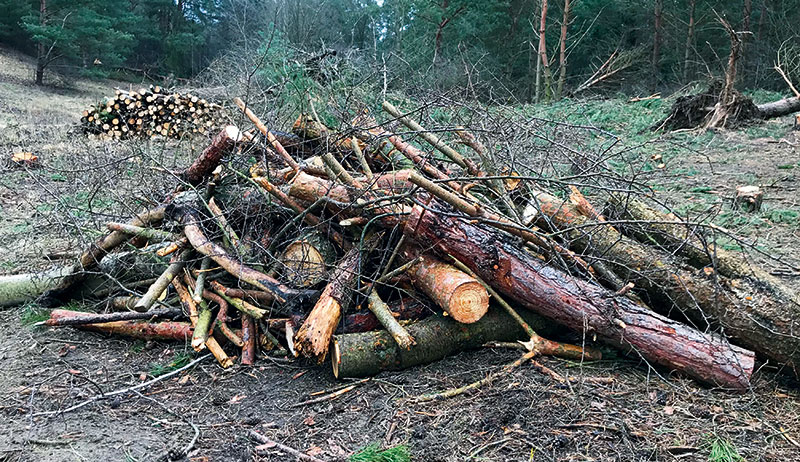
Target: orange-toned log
166, 330
457, 293
314, 336
209, 159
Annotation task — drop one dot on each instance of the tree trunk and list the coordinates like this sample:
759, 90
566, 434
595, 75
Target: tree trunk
368, 353
580, 305
456, 292
756, 318
543, 54
41, 54
689, 40
657, 13
779, 108
562, 58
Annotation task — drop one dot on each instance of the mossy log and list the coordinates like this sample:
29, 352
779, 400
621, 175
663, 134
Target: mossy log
368, 353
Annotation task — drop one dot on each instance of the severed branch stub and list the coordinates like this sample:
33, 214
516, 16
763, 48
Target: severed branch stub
748, 198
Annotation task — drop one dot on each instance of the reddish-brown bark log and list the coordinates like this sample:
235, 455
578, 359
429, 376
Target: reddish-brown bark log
166, 330
209, 159
581, 305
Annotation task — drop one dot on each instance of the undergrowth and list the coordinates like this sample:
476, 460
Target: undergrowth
179, 360
373, 453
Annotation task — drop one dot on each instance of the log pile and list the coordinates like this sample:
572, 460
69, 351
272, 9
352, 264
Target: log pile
151, 112
322, 250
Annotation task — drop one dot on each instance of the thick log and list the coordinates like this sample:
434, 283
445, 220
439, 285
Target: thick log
457, 293
779, 108
314, 336
209, 159
583, 306
305, 260
166, 330
683, 238
368, 353
752, 316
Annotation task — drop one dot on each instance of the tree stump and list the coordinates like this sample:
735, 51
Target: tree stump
748, 198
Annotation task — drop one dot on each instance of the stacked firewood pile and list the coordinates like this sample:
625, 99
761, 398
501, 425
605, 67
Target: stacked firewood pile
151, 113
324, 249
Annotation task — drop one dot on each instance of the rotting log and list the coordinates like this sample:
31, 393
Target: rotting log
313, 337
457, 293
368, 353
580, 305
165, 330
211, 156
753, 317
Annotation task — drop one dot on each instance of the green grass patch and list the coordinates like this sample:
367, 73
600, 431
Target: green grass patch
32, 313
722, 450
702, 189
179, 360
372, 453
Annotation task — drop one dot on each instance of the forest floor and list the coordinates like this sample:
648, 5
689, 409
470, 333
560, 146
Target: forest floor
524, 416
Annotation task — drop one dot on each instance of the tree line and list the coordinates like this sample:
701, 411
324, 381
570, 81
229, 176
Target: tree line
523, 49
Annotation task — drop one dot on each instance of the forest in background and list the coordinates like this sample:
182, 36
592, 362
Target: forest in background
499, 50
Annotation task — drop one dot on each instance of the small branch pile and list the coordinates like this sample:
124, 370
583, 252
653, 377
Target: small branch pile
322, 241
151, 113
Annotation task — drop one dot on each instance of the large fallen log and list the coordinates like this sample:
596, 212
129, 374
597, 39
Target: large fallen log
779, 108
368, 353
755, 318
580, 305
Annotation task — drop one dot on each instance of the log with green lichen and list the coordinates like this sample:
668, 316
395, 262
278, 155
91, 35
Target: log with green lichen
368, 353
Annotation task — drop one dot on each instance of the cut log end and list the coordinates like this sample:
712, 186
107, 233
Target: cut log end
469, 302
304, 263
749, 198
457, 293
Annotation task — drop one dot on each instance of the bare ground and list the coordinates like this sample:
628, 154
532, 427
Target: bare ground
641, 415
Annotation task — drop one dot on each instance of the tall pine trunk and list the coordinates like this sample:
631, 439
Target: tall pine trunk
562, 58
545, 68
689, 40
659, 7
41, 58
